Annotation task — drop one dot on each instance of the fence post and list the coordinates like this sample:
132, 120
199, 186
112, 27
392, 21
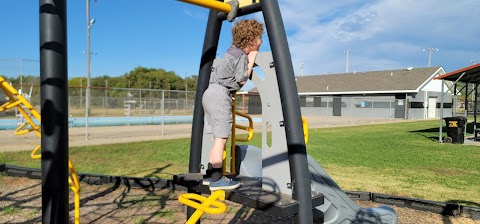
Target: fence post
390, 111
140, 101
371, 112
163, 110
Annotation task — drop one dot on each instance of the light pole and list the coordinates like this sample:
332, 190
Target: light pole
430, 54
90, 22
348, 55
301, 70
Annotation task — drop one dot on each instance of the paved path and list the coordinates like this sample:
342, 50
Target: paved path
122, 134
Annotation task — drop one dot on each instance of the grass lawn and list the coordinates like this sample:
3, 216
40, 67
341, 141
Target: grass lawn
401, 159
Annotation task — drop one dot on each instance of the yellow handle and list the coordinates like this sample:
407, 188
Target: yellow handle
305, 129
249, 128
75, 186
206, 202
211, 4
205, 206
34, 154
17, 100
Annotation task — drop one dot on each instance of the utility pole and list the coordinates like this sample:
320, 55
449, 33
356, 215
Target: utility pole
301, 70
348, 55
430, 54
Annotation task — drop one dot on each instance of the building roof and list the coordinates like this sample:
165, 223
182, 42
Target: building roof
470, 74
388, 81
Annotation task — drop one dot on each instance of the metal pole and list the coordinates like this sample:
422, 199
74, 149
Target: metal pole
297, 155
454, 109
430, 54
348, 54
163, 110
186, 91
54, 110
21, 76
475, 107
441, 112
466, 99
210, 44
87, 91
429, 58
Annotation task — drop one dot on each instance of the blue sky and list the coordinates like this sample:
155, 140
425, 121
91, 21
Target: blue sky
380, 34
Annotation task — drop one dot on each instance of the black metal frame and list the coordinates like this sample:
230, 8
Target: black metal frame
300, 177
54, 104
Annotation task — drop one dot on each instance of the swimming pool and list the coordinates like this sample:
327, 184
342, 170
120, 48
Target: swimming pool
11, 124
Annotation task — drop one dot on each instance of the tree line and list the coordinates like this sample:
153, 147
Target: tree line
138, 78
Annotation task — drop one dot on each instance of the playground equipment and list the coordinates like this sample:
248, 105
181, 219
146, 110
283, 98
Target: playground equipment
280, 177
17, 101
285, 186
205, 206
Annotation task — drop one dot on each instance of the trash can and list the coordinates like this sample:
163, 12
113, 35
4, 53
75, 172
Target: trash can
455, 129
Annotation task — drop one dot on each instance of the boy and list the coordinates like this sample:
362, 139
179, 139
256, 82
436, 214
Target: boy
230, 75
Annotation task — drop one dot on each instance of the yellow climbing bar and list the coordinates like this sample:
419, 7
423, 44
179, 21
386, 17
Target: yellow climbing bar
34, 154
18, 101
188, 199
211, 4
219, 6
305, 129
243, 3
75, 186
249, 128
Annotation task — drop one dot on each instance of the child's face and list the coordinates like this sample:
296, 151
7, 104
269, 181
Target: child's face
256, 43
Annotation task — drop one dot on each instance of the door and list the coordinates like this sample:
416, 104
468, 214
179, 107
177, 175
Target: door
432, 107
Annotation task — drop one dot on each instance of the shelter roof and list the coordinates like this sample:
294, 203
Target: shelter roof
371, 82
470, 74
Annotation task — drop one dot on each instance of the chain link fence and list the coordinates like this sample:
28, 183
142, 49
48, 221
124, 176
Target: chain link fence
149, 111
130, 103
328, 111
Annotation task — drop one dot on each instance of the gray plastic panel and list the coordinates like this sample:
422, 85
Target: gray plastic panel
338, 207
275, 164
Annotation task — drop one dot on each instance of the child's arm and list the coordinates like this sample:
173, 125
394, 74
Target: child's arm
251, 61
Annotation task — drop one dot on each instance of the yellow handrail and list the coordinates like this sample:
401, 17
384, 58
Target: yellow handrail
17, 100
211, 4
205, 204
75, 186
305, 129
249, 128
34, 154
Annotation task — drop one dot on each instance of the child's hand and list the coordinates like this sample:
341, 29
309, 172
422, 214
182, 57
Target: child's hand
251, 56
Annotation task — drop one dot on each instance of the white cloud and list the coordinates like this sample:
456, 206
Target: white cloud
382, 34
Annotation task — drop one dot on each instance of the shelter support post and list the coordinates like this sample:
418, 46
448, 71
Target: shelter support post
466, 99
442, 97
475, 108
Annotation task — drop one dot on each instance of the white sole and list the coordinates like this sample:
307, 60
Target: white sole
224, 187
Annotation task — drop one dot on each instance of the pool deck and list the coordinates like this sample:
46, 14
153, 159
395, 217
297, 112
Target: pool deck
98, 136
123, 134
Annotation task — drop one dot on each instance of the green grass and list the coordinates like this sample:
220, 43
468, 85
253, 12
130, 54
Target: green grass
401, 159
10, 210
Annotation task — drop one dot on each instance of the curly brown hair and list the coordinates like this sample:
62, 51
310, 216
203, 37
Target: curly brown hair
245, 32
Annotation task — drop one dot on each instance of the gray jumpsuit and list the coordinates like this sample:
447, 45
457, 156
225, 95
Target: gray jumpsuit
217, 99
